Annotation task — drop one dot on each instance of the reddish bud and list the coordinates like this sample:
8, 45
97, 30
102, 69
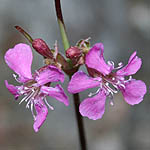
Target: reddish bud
73, 52
42, 48
38, 44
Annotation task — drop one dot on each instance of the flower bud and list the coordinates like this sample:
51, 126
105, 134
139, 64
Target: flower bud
73, 52
42, 48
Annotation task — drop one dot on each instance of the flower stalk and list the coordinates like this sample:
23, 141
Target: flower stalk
75, 96
61, 25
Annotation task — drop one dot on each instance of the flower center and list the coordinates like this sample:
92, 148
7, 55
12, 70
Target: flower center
110, 83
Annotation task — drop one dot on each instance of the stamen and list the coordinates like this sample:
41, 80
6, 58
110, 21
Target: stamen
48, 104
107, 84
37, 72
111, 99
113, 78
116, 87
120, 65
114, 91
130, 78
26, 88
32, 97
118, 82
15, 76
27, 105
109, 91
32, 111
23, 99
91, 94
122, 85
112, 103
26, 98
111, 63
23, 90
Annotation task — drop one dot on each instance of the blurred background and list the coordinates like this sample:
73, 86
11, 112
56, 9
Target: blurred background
123, 26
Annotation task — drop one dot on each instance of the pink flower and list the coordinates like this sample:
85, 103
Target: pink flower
109, 80
34, 87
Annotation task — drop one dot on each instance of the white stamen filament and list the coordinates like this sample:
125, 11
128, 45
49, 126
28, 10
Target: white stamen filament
109, 88
113, 78
112, 103
15, 76
122, 85
111, 99
26, 98
27, 105
130, 78
37, 72
111, 63
91, 94
120, 65
48, 104
118, 82
32, 111
34, 93
109, 91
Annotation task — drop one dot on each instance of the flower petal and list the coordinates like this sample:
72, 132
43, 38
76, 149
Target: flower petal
41, 113
12, 89
134, 92
94, 107
134, 64
19, 59
80, 82
95, 59
49, 74
57, 93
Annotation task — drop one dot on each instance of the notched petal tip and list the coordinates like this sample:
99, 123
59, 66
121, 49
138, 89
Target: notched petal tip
19, 59
134, 64
95, 59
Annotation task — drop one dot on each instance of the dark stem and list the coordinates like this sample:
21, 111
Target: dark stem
58, 11
75, 96
79, 122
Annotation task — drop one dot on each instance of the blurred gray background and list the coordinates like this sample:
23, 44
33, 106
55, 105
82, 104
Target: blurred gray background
123, 26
